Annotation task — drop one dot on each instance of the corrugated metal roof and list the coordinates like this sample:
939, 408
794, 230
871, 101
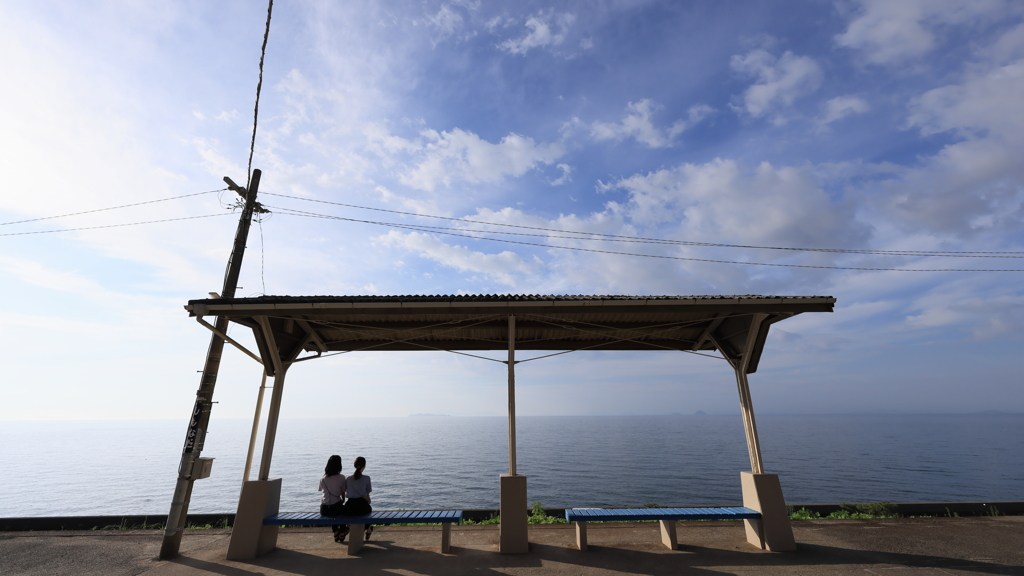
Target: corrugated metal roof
480, 321
492, 298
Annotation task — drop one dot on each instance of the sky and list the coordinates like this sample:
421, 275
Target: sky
850, 125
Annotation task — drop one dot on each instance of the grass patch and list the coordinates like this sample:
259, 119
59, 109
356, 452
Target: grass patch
539, 516
871, 510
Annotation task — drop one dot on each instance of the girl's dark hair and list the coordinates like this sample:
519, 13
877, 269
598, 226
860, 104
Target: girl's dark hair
359, 464
333, 466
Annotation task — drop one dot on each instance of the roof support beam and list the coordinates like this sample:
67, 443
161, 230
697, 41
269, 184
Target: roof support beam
223, 335
707, 333
315, 337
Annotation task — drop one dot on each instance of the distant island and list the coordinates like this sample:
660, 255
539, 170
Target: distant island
700, 413
435, 415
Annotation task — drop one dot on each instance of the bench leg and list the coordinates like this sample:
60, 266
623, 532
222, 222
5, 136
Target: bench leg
668, 534
581, 536
355, 538
446, 537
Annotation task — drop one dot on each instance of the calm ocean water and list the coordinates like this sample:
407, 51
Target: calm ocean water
84, 468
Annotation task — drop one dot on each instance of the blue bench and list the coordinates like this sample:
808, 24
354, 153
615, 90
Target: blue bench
383, 517
666, 516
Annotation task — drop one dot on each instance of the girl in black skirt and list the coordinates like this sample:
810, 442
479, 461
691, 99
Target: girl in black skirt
358, 492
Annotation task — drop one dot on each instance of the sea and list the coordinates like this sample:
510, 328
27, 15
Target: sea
129, 467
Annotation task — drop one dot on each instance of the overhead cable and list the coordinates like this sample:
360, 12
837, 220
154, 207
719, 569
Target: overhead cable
577, 249
110, 208
654, 240
115, 225
259, 86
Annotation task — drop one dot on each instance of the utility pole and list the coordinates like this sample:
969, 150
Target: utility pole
200, 417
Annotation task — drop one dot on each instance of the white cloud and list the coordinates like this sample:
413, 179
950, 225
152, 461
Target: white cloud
502, 267
890, 31
459, 155
446, 21
417, 205
637, 124
988, 102
199, 115
976, 184
541, 33
226, 116
842, 106
780, 81
42, 276
693, 116
564, 178
763, 205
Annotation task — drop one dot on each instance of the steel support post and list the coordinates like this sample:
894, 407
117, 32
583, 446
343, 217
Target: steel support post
746, 404
199, 421
513, 538
512, 395
749, 424
255, 428
271, 434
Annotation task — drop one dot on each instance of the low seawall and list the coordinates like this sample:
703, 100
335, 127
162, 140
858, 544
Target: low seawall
128, 522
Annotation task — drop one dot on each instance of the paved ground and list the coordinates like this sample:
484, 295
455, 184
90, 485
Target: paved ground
890, 547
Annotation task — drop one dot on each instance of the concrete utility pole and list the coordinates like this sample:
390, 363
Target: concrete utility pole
200, 417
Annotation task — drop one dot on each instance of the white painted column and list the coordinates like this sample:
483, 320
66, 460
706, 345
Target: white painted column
271, 434
255, 428
749, 424
512, 395
743, 386
513, 537
275, 399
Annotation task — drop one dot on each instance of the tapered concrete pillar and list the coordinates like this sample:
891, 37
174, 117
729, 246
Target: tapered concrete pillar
514, 536
249, 537
763, 493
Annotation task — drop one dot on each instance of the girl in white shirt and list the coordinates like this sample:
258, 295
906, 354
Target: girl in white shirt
332, 502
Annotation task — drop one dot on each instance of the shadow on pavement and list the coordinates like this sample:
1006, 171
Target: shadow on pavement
383, 557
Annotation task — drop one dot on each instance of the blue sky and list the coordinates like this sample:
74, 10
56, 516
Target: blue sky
863, 125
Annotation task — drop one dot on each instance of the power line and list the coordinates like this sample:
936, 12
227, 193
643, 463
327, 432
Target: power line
259, 86
576, 249
115, 225
110, 208
622, 239
656, 240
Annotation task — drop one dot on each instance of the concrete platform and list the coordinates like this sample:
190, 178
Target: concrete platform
891, 547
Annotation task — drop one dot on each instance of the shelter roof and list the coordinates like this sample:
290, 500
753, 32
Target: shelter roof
324, 324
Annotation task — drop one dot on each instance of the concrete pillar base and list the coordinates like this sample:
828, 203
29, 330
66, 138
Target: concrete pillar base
355, 538
581, 536
249, 537
446, 538
668, 534
514, 537
762, 492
